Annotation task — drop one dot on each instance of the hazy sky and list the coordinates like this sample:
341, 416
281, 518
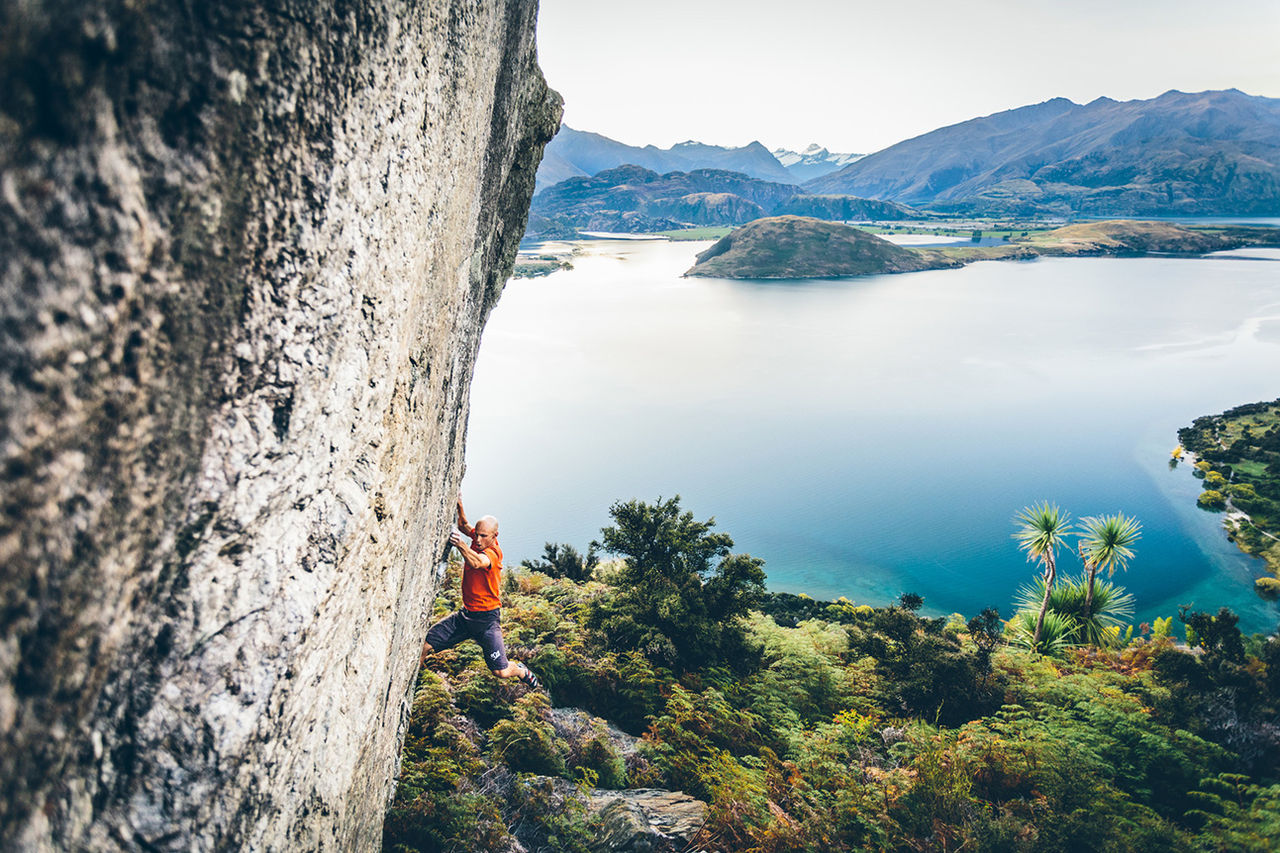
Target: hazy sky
858, 76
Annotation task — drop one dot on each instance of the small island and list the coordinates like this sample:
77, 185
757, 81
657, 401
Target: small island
798, 247
1238, 457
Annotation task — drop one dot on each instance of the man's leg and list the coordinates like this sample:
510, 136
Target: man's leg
446, 633
495, 654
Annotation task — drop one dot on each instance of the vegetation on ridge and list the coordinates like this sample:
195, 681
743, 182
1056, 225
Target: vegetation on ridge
1238, 455
829, 726
794, 247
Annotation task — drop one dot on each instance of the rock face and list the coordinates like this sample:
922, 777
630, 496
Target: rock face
646, 820
246, 254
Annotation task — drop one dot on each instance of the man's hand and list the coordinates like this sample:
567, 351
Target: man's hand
457, 538
463, 524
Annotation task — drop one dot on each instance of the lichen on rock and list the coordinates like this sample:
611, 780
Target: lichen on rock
246, 254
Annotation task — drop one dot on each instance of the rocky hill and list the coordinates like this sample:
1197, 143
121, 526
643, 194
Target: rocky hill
797, 247
1192, 154
634, 199
246, 254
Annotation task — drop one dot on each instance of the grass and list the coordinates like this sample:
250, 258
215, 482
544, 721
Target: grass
707, 232
1250, 468
996, 230
975, 253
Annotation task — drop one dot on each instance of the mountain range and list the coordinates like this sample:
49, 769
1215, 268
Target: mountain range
634, 199
1181, 154
1206, 153
576, 153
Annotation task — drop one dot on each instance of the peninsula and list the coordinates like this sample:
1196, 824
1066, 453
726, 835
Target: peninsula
798, 247
1238, 458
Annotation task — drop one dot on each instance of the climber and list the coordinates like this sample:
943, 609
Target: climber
479, 618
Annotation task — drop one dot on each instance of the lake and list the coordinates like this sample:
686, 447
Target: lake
873, 436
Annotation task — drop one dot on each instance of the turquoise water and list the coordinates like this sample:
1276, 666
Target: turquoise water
872, 436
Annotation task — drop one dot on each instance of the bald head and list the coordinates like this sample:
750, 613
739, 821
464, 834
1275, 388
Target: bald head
487, 524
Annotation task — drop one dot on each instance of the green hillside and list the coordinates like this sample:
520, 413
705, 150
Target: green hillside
804, 725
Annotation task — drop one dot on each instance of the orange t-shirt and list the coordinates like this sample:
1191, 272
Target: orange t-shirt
480, 586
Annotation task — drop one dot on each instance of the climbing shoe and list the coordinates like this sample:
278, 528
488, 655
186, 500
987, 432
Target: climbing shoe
529, 678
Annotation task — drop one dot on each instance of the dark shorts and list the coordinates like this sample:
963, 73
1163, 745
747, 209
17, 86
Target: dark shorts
482, 626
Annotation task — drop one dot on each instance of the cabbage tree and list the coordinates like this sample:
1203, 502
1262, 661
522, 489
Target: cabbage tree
1096, 625
1042, 530
1106, 543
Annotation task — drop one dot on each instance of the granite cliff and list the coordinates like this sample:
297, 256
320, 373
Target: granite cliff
246, 254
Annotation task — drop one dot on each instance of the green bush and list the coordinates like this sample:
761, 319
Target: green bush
1211, 499
681, 595
600, 756
924, 669
564, 561
1237, 815
1268, 588
527, 743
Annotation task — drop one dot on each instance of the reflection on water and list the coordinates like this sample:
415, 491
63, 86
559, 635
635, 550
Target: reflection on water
872, 436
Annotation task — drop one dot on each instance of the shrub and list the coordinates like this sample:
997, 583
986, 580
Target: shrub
564, 561
1211, 499
1098, 624
600, 756
527, 742
1268, 588
1236, 815
482, 696
681, 595
923, 669
1056, 634
550, 816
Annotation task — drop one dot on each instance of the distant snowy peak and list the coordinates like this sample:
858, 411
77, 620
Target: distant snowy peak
575, 152
812, 162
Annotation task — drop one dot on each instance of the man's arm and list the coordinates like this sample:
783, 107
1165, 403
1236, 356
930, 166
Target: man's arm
474, 559
463, 524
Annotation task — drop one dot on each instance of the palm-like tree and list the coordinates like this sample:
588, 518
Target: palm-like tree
1106, 543
1042, 530
1096, 624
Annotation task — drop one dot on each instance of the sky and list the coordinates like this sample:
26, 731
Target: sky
858, 76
